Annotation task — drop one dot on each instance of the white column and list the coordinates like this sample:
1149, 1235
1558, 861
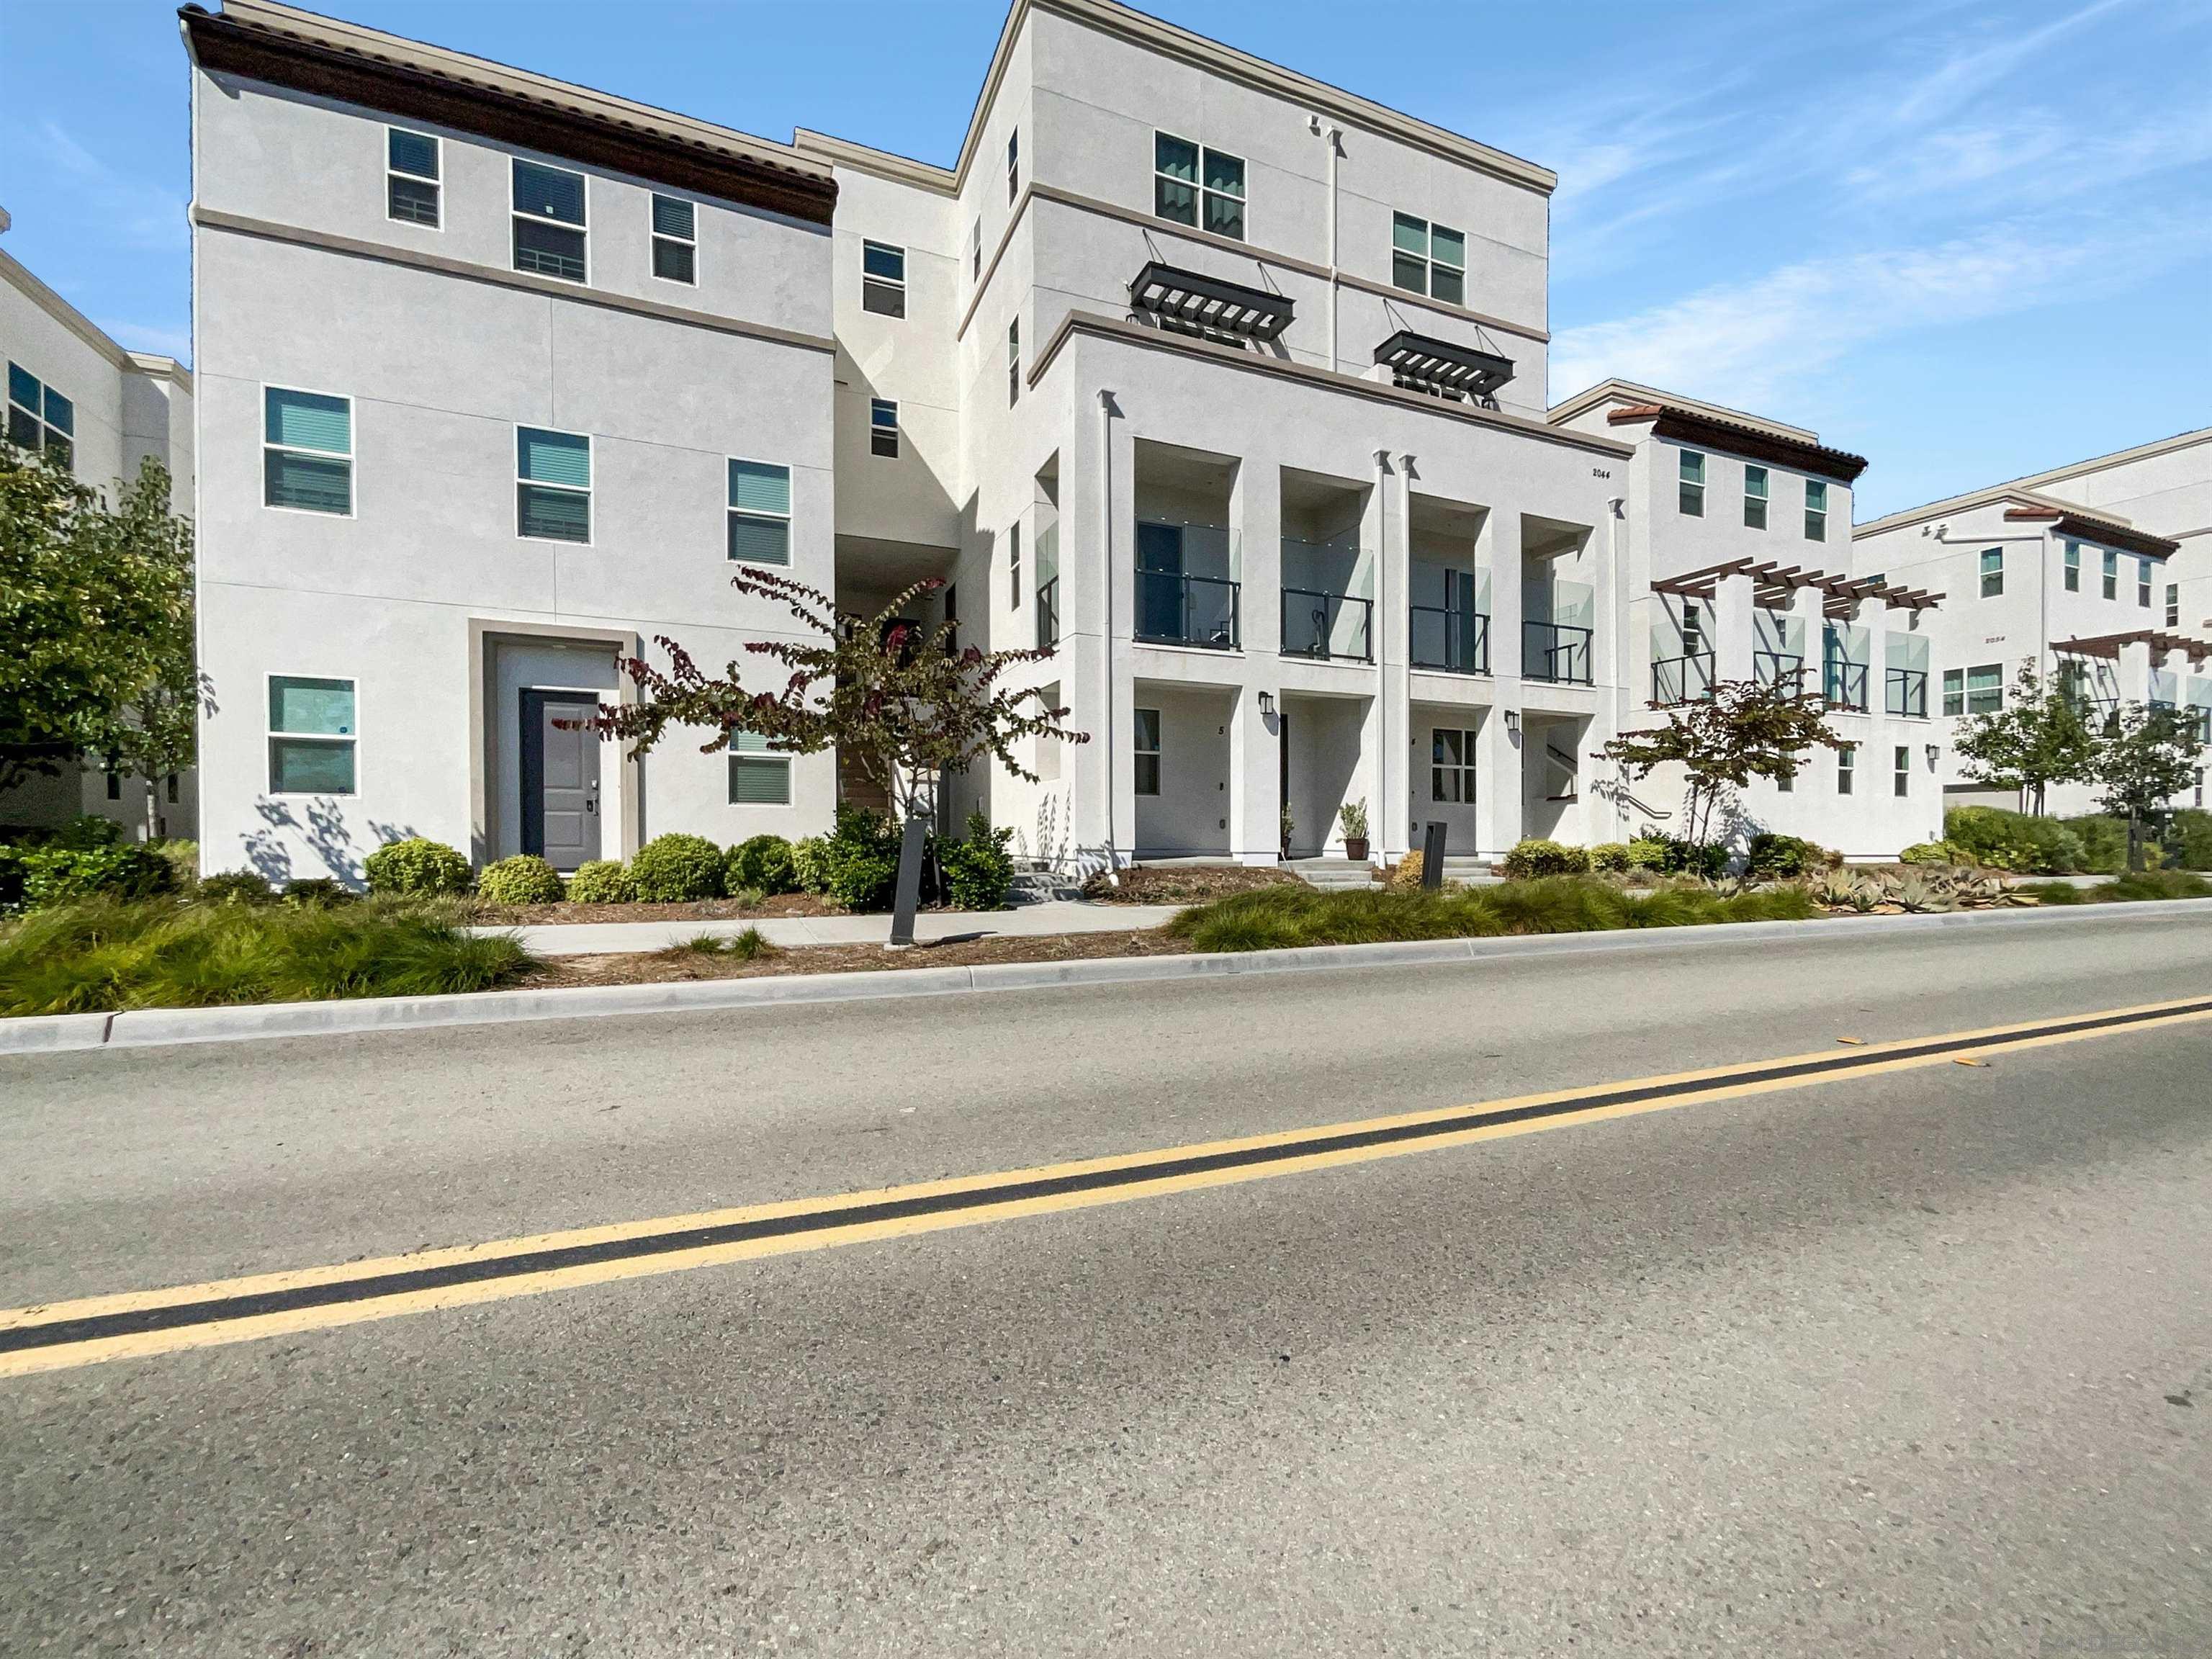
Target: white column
1807, 609
1732, 633
1499, 752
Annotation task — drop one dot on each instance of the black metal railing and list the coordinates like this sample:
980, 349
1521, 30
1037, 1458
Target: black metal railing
1785, 668
1844, 684
1443, 636
1686, 678
1325, 625
1559, 652
2199, 721
1173, 609
1047, 614
1904, 691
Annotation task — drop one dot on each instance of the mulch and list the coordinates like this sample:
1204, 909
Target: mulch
1195, 884
780, 904
678, 963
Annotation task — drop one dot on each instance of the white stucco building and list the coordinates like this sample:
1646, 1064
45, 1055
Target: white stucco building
1228, 384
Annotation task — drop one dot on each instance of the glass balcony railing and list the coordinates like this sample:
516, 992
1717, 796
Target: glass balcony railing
1559, 652
1450, 639
1328, 627
1782, 668
1904, 691
1686, 678
1173, 609
1047, 614
1844, 684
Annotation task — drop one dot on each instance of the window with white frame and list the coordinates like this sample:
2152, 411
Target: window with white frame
2142, 582
760, 513
549, 221
1013, 362
1903, 773
1014, 564
552, 485
1755, 497
1691, 495
1426, 258
1194, 185
976, 253
883, 279
2073, 566
1954, 690
1693, 629
882, 427
411, 167
758, 775
1847, 767
307, 451
39, 417
1985, 689
675, 239
311, 736
2111, 574
1451, 766
1014, 165
2173, 605
1148, 751
1816, 510
1992, 572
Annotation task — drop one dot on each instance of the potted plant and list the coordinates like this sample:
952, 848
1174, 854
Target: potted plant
1288, 825
1353, 820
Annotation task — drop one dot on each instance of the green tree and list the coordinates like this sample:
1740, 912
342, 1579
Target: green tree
96, 612
1743, 730
2038, 738
904, 704
2147, 756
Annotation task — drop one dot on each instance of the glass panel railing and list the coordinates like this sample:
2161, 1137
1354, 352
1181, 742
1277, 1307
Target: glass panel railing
1557, 651
1904, 691
1327, 626
1448, 638
1686, 678
1173, 609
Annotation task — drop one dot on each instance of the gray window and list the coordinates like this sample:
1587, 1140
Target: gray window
2173, 605
307, 451
882, 427
1847, 764
311, 736
1013, 362
1816, 510
410, 177
2073, 566
1904, 772
2111, 574
1195, 186
1148, 751
1755, 497
1985, 689
975, 252
2142, 583
758, 777
883, 279
552, 485
1426, 258
1954, 690
1451, 766
549, 221
1014, 165
1992, 572
760, 513
39, 417
675, 239
1014, 565
1690, 497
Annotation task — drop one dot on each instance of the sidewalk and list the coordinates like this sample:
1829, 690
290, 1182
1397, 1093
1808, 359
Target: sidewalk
588, 938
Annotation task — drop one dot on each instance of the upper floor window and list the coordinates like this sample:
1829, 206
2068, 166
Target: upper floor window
2073, 566
1013, 362
975, 252
553, 485
1847, 767
675, 239
1426, 258
1984, 689
1014, 564
1691, 495
311, 736
882, 427
2111, 574
549, 220
1202, 188
2173, 605
760, 513
1816, 510
1992, 572
883, 279
39, 417
410, 177
1013, 164
307, 451
2142, 583
1755, 497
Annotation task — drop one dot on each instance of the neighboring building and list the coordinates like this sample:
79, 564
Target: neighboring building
75, 392
1229, 384
2097, 574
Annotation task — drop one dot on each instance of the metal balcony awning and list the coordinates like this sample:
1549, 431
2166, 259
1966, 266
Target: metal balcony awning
1208, 305
1460, 370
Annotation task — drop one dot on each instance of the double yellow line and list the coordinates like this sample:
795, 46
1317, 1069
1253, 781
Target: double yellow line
140, 1324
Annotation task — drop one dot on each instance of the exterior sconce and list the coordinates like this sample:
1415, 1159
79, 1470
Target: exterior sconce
1932, 750
1267, 702
1513, 722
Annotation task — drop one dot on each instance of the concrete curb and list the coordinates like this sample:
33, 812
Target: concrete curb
151, 1027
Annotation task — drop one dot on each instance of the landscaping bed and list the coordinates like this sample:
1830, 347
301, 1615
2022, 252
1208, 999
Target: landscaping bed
722, 909
681, 962
1192, 883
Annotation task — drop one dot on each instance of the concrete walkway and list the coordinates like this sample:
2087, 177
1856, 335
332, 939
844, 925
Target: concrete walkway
590, 938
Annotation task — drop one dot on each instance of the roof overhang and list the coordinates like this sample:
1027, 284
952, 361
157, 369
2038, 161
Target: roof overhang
1208, 305
1685, 425
2087, 528
1464, 369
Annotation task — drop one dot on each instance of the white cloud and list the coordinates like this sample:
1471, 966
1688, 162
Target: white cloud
134, 212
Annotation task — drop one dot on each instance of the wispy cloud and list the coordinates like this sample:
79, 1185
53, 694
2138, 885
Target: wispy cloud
165, 338
137, 213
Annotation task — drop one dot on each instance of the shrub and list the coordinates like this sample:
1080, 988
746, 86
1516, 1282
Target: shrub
236, 887
56, 874
1611, 856
184, 857
526, 879
860, 859
808, 867
318, 893
2189, 841
2015, 841
1787, 856
2104, 842
678, 869
1531, 859
1405, 874
1647, 852
1674, 856
602, 881
1934, 851
764, 862
417, 867
978, 871
86, 834
12, 876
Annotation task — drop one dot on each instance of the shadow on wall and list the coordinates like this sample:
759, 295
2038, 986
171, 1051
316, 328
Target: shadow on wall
321, 825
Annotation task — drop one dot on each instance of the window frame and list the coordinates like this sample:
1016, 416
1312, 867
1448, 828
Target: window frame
351, 457
1141, 754
1684, 483
879, 429
1013, 361
1014, 566
754, 757
2110, 573
1754, 473
1816, 517
42, 416
976, 253
589, 492
1014, 165
2142, 583
1199, 190
1985, 573
1461, 771
655, 236
1902, 772
1847, 769
1992, 693
269, 735
436, 181
1954, 691
788, 517
892, 287
1430, 263
2071, 570
2173, 605
516, 216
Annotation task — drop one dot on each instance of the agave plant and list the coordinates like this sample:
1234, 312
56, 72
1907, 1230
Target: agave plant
1922, 896
1834, 887
1866, 893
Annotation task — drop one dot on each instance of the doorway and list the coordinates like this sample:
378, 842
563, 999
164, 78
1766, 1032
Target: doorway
560, 757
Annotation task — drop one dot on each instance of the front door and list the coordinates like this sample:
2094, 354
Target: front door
560, 778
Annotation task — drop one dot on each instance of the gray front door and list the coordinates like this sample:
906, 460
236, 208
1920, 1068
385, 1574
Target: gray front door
560, 778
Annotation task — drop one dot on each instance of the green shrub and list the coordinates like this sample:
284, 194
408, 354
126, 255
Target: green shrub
1531, 859
808, 867
1611, 856
1787, 856
86, 834
526, 879
184, 857
2018, 841
56, 874
2104, 842
12, 878
978, 871
417, 867
1934, 851
236, 887
602, 881
1647, 852
765, 863
860, 859
2189, 840
2141, 886
318, 892
1674, 856
747, 946
678, 869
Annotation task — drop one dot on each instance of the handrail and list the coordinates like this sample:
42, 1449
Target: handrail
1317, 637
1563, 648
1904, 691
1844, 684
1777, 667
1047, 614
1466, 648
1686, 679
1211, 622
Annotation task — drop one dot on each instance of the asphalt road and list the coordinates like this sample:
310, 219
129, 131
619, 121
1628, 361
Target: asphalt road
1914, 1362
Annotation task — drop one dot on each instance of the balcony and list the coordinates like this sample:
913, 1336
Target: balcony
1687, 678
1450, 639
1844, 684
1328, 627
1782, 668
1175, 609
1904, 691
1557, 652
1047, 614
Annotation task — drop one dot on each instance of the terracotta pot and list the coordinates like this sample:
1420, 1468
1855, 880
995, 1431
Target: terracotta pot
1356, 849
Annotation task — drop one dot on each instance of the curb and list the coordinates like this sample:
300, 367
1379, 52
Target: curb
153, 1027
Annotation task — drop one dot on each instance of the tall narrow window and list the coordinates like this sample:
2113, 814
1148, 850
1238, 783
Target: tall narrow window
1954, 690
2142, 583
1847, 766
1992, 572
1426, 258
760, 513
1451, 766
1013, 362
549, 221
39, 417
1014, 165
307, 451
114, 777
1903, 771
2173, 605
1693, 629
1014, 564
1816, 510
311, 736
1148, 751
410, 177
2111, 574
882, 427
758, 777
883, 279
552, 485
1755, 497
975, 252
1691, 495
1986, 688
2073, 566
675, 239
1202, 188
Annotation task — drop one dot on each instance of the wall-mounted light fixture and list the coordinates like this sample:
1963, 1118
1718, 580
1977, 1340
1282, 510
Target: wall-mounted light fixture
1267, 702
1933, 751
1513, 720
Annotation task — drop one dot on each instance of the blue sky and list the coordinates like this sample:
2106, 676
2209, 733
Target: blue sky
1968, 240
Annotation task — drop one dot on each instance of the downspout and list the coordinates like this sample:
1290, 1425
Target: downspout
1381, 631
1332, 136
1106, 610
